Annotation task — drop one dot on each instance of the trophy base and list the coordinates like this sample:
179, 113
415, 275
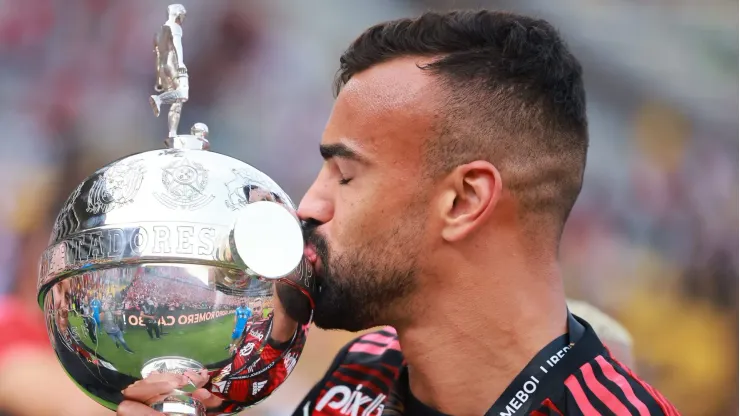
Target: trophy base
180, 405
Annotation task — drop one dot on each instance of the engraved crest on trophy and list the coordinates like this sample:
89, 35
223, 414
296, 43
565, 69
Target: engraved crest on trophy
243, 189
116, 187
185, 183
247, 187
67, 221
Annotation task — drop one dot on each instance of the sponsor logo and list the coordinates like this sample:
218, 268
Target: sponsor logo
247, 349
258, 386
345, 401
290, 360
257, 334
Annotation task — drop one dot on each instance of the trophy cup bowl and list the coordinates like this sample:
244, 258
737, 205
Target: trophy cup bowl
180, 261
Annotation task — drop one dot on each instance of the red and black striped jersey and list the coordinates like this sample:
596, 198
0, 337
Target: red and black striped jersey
259, 366
369, 378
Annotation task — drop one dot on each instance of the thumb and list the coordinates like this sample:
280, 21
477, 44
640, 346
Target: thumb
208, 399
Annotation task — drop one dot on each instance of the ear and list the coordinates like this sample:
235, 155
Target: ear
470, 196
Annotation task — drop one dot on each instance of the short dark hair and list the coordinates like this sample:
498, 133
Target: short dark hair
513, 95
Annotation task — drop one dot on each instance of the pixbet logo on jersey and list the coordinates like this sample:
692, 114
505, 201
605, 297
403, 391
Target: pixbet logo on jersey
344, 401
256, 334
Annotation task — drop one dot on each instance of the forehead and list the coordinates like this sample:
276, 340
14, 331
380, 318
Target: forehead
385, 112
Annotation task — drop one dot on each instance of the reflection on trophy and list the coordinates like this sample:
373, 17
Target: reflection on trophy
177, 261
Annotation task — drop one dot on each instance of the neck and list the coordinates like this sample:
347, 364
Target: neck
485, 330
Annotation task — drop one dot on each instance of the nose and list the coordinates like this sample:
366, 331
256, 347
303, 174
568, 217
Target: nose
317, 204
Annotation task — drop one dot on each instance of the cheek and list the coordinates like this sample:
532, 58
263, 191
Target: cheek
364, 217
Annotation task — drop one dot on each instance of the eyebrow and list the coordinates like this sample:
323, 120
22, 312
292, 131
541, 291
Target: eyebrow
339, 150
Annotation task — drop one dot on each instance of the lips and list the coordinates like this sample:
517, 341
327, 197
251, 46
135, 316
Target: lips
310, 253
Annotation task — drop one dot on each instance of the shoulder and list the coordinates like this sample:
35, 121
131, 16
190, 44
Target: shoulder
175, 28
379, 348
364, 371
604, 385
377, 345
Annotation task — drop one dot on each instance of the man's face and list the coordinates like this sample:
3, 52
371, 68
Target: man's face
366, 211
257, 308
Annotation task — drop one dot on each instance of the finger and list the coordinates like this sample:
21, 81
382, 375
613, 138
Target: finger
199, 378
146, 392
166, 377
208, 399
129, 408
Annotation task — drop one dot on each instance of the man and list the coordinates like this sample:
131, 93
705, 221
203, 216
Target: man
258, 313
453, 156
120, 312
162, 310
110, 326
148, 315
89, 321
95, 305
241, 316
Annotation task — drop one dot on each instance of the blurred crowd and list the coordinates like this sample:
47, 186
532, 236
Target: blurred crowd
159, 291
653, 240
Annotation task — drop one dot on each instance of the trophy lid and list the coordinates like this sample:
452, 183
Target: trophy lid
175, 205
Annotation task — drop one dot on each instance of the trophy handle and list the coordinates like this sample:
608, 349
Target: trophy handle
180, 405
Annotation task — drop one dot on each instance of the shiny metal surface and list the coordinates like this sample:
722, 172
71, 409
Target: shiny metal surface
113, 327
163, 206
177, 261
172, 74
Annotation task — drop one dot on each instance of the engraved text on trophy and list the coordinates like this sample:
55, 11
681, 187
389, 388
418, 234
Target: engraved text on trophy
156, 240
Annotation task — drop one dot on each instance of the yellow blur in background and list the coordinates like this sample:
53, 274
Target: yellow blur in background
652, 240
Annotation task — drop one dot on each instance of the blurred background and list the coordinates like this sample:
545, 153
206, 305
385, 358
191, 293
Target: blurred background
653, 240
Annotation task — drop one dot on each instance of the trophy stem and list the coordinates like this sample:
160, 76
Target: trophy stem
180, 405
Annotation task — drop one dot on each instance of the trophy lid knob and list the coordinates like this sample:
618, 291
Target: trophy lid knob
200, 130
196, 140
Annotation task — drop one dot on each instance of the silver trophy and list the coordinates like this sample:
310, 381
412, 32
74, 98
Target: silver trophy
177, 261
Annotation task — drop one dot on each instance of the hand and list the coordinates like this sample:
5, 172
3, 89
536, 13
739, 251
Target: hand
156, 387
199, 379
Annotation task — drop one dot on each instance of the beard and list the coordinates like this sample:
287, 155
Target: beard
361, 288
